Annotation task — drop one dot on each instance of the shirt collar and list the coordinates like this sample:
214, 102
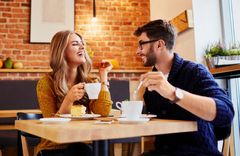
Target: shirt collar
176, 66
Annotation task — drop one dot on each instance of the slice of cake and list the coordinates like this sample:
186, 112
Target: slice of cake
78, 110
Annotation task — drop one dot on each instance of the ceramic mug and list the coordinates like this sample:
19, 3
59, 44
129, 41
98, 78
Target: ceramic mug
130, 109
93, 90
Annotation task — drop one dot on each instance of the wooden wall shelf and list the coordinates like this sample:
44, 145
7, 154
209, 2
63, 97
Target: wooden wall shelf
49, 70
226, 71
24, 70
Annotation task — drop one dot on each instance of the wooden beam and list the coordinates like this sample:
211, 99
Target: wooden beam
13, 113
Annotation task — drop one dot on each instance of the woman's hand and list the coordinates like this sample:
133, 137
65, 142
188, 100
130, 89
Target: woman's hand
158, 82
75, 93
104, 68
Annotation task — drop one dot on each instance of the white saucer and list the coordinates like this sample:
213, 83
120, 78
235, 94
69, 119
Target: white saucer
142, 116
148, 116
84, 116
54, 120
132, 121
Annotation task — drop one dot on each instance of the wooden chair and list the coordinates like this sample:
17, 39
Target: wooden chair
149, 141
123, 90
23, 146
0, 151
228, 145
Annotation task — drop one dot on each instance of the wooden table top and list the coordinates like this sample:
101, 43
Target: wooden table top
86, 130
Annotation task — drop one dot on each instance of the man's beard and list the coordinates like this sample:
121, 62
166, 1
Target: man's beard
150, 58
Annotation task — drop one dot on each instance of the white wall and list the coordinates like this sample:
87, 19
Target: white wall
168, 9
236, 13
207, 24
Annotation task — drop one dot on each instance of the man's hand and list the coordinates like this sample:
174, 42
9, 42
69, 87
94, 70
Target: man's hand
158, 82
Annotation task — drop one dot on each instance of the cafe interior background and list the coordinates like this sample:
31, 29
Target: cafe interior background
110, 36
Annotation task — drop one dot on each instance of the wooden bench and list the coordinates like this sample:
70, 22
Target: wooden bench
12, 114
15, 96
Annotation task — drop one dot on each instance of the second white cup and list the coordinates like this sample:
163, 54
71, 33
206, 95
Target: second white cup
130, 109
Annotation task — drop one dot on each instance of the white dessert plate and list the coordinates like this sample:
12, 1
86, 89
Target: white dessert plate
133, 121
54, 120
84, 116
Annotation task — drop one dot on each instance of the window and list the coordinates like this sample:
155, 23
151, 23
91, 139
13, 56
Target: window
230, 10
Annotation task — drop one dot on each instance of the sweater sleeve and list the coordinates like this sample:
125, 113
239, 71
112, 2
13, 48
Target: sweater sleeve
46, 97
207, 86
103, 104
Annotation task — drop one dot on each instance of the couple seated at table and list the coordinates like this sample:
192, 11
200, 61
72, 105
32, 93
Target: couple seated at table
175, 89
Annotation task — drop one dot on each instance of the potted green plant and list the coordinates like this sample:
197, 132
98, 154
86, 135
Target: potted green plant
219, 55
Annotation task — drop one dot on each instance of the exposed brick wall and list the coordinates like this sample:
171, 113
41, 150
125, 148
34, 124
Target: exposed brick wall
110, 37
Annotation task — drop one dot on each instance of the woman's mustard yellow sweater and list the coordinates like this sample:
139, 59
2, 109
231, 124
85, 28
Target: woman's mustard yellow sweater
47, 102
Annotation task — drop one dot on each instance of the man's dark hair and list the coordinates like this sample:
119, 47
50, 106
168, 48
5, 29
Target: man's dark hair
159, 29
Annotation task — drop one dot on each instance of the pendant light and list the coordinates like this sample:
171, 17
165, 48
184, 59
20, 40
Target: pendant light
94, 19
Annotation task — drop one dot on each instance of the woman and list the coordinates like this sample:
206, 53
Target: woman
64, 87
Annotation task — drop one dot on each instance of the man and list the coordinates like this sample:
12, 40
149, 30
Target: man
180, 89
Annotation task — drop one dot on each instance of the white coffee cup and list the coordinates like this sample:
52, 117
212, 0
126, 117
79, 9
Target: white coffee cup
93, 90
130, 109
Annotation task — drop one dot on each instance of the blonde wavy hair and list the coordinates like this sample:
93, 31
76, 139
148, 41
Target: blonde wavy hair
59, 64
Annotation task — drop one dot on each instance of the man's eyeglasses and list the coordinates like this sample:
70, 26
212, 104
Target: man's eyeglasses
140, 43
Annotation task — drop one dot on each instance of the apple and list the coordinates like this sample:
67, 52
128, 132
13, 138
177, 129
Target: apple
17, 65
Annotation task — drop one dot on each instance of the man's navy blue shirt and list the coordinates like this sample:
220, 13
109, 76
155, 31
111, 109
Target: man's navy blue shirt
196, 79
